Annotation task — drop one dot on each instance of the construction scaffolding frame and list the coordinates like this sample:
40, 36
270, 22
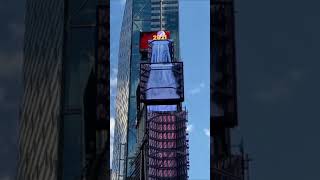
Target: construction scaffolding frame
167, 145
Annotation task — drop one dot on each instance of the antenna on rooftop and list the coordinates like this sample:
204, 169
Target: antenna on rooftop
161, 15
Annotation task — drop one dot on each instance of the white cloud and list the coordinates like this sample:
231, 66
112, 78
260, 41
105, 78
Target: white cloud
122, 2
197, 89
113, 82
115, 71
112, 121
113, 88
111, 153
189, 128
207, 132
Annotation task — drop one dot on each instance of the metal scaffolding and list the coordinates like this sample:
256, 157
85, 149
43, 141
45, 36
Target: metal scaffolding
167, 145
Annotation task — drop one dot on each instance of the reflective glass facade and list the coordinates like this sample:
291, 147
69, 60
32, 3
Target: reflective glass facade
139, 16
41, 102
59, 53
77, 65
122, 101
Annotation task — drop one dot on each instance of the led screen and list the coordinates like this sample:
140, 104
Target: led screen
146, 36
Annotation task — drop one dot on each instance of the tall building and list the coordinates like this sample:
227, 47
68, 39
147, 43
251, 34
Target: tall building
139, 16
162, 150
170, 19
63, 124
227, 164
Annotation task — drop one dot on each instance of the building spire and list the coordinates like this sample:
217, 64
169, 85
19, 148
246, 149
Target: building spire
161, 15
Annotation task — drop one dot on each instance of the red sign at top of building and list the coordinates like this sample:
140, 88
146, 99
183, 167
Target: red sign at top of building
155, 35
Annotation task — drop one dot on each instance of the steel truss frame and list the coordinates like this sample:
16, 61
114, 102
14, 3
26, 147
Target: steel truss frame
167, 145
145, 69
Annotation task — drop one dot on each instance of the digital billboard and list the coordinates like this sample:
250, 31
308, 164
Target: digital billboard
154, 35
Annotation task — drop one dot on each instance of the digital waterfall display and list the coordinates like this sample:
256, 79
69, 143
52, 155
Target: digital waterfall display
161, 89
164, 121
154, 35
162, 82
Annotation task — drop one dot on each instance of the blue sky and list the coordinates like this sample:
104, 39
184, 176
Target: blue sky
194, 47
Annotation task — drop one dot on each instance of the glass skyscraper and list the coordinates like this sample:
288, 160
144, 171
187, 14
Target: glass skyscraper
57, 119
139, 16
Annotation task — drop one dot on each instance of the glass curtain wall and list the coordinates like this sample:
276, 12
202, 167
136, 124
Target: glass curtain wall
141, 13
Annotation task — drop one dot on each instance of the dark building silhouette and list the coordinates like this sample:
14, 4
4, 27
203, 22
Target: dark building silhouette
64, 120
226, 163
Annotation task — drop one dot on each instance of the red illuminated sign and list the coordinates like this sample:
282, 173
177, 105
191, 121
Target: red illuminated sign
155, 35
